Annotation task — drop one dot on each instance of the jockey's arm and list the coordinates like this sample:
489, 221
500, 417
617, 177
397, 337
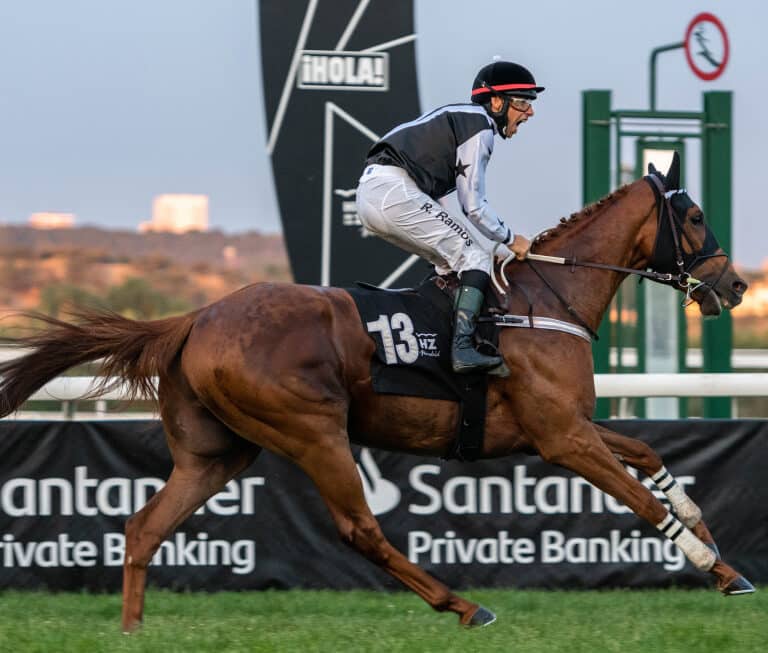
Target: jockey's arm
472, 158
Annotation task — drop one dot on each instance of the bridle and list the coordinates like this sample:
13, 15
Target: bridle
669, 263
669, 257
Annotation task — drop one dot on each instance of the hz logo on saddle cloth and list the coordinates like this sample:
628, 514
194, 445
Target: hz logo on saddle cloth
412, 332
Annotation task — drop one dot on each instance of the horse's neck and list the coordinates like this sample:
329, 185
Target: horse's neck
607, 233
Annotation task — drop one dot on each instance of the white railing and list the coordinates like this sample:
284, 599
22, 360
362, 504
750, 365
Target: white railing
682, 385
751, 359
69, 390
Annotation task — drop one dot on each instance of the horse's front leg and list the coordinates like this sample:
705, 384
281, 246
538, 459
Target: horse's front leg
643, 458
580, 447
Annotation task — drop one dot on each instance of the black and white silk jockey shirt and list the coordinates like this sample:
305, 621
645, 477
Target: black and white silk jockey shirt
445, 150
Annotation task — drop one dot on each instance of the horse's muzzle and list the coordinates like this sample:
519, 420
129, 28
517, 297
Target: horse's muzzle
731, 289
709, 301
738, 288
726, 292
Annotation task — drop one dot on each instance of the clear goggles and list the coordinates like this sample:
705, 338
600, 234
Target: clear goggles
520, 104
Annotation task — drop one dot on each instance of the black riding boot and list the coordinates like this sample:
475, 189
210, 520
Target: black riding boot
465, 358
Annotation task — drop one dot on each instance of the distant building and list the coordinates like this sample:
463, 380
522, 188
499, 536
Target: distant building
178, 214
230, 256
52, 220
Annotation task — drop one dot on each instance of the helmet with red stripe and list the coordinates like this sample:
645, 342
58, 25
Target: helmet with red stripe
504, 78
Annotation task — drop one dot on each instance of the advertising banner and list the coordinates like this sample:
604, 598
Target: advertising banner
67, 488
337, 76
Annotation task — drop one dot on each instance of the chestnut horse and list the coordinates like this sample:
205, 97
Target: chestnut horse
288, 368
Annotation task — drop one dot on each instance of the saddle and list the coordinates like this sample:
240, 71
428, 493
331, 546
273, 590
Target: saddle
412, 329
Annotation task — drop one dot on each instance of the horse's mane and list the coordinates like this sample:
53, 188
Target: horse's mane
587, 212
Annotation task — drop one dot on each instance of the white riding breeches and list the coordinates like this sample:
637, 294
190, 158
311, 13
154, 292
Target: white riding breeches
390, 205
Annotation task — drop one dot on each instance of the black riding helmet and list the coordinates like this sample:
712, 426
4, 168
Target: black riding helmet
505, 79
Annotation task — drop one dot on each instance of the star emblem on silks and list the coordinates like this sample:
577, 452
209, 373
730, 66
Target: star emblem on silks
460, 168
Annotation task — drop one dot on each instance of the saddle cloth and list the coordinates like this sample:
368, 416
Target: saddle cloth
412, 329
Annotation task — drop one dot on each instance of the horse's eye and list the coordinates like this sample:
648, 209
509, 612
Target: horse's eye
697, 219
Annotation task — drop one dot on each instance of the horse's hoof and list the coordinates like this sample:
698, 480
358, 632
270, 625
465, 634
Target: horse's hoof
129, 628
738, 585
482, 617
713, 547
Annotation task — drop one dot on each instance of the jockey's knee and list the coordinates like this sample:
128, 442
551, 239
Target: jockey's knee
370, 218
475, 258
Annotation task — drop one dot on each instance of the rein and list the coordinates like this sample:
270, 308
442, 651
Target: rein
681, 279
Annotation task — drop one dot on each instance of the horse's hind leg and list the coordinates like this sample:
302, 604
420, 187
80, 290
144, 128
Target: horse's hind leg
206, 456
332, 468
639, 455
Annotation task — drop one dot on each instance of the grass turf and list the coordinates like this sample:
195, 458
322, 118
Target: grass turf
664, 621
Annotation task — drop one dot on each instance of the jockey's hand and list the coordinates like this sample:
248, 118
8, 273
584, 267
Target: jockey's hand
520, 246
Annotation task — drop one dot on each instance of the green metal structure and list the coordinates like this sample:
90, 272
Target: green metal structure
647, 294
603, 130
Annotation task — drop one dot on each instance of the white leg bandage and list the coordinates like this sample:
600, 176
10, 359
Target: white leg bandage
688, 512
694, 549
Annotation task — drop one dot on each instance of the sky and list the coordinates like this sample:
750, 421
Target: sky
106, 103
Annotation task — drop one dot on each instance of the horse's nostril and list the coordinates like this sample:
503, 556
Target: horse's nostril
739, 286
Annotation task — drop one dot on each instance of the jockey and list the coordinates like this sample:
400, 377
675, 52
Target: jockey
421, 161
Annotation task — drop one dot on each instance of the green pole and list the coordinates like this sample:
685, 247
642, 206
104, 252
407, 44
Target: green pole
652, 77
717, 335
596, 168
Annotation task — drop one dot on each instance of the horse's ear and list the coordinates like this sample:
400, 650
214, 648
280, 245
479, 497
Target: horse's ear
673, 174
652, 169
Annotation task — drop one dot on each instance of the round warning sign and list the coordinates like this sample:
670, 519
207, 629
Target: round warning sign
706, 46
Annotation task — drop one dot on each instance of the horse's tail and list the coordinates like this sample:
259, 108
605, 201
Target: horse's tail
131, 351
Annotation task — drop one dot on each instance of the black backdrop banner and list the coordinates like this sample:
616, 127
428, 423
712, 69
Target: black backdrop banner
66, 489
337, 76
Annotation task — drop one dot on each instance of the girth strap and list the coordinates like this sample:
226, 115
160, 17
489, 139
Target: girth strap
571, 311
